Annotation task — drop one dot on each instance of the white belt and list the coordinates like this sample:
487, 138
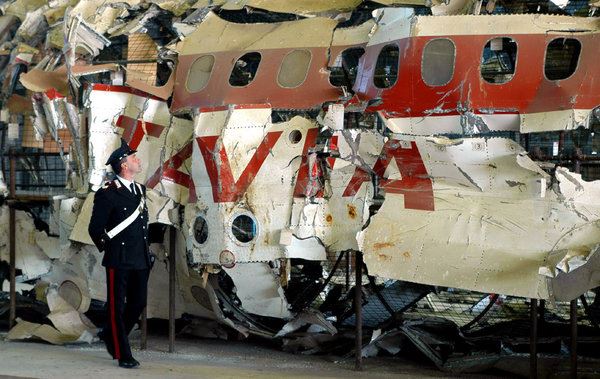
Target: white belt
129, 220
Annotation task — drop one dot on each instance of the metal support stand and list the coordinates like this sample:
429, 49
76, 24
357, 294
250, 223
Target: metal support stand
12, 240
573, 339
533, 340
347, 270
144, 329
358, 311
172, 269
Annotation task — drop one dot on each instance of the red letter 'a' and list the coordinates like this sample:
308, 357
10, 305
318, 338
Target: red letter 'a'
415, 184
224, 188
302, 178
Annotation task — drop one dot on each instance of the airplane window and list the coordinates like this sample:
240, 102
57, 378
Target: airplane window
562, 56
344, 69
386, 68
498, 60
294, 68
243, 228
437, 64
244, 70
199, 73
295, 136
200, 230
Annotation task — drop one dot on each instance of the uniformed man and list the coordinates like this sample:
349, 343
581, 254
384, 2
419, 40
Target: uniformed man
119, 227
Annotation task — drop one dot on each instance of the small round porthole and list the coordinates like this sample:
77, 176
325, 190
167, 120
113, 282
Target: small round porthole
243, 228
295, 136
200, 230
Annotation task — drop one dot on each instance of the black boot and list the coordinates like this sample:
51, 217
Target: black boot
128, 363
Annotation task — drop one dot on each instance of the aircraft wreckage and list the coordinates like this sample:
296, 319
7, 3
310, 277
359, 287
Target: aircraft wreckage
278, 143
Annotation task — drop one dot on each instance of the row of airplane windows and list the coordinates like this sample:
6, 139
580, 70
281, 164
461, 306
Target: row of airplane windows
498, 64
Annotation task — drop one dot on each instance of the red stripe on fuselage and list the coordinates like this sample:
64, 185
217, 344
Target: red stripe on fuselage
527, 92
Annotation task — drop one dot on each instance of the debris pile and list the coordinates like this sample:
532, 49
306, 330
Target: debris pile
280, 138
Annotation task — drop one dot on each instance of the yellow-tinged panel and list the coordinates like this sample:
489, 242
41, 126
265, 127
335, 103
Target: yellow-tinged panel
215, 34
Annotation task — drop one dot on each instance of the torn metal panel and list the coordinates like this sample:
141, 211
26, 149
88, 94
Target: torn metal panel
57, 10
70, 326
101, 18
65, 316
79, 276
312, 317
81, 38
572, 274
33, 29
30, 258
25, 330
259, 290
403, 2
310, 248
506, 224
207, 56
79, 231
178, 8
20, 8
454, 7
65, 215
344, 38
302, 7
162, 92
38, 80
208, 3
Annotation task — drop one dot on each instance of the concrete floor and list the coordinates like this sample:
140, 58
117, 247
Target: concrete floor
194, 358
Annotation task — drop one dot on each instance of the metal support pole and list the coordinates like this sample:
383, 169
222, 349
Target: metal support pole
533, 340
13, 293
573, 339
12, 240
172, 236
144, 329
358, 311
347, 270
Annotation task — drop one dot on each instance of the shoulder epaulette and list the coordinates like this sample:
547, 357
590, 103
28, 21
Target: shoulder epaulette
111, 183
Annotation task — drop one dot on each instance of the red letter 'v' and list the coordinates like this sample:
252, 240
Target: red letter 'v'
224, 188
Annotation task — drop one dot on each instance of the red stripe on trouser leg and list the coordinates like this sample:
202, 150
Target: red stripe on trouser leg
113, 321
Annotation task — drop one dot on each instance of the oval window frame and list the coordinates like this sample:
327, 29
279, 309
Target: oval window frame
255, 74
453, 63
397, 72
212, 69
516, 61
305, 74
546, 54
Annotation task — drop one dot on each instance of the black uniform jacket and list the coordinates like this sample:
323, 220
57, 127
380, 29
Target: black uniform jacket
113, 203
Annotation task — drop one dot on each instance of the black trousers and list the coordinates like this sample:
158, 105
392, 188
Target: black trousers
126, 295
